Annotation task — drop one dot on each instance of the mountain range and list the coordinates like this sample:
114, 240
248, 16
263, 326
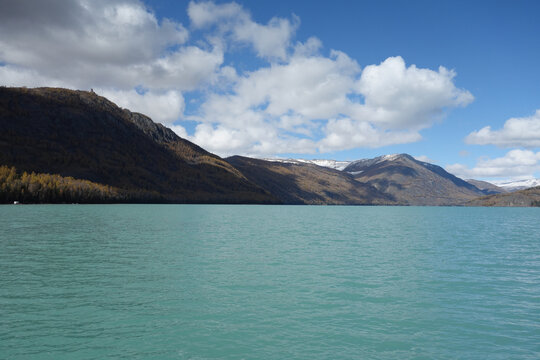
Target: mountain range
59, 145
516, 185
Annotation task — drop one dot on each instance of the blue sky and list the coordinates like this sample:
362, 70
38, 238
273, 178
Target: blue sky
337, 80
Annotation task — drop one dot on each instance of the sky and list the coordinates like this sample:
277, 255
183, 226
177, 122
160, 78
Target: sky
455, 83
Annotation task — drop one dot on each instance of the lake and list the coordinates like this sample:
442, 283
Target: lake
269, 282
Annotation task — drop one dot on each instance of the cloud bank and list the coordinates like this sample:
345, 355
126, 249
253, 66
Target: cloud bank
516, 132
328, 103
523, 162
515, 164
298, 99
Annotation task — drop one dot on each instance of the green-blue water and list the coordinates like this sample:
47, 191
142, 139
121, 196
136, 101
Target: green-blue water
269, 282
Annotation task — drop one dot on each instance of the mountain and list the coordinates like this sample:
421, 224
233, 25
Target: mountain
527, 197
332, 164
294, 182
81, 135
518, 184
486, 187
59, 145
412, 182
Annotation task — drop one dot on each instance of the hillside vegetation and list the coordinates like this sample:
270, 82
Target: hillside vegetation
46, 188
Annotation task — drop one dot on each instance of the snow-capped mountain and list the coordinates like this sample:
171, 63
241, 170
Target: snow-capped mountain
332, 164
340, 165
517, 184
357, 166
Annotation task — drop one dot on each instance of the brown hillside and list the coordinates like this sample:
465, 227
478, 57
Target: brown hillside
308, 183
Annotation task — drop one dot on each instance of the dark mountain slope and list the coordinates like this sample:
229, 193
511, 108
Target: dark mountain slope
186, 150
412, 182
527, 197
85, 136
307, 183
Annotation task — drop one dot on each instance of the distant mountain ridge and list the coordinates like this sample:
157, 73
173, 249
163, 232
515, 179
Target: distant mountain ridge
295, 182
413, 182
486, 187
400, 178
332, 164
66, 145
521, 198
518, 184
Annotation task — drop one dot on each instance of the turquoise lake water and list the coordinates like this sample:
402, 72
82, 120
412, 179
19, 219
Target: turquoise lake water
269, 282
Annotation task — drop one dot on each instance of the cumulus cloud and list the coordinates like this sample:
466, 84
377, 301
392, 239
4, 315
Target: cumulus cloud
342, 134
516, 132
108, 33
115, 46
515, 164
397, 96
303, 100
164, 107
331, 102
206, 13
269, 41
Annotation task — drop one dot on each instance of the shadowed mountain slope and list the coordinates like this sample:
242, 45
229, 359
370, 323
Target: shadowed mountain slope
303, 183
412, 182
82, 135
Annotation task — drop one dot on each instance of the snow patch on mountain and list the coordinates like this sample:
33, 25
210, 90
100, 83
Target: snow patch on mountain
332, 164
355, 166
517, 184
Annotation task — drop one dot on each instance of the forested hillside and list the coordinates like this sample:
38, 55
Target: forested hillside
46, 188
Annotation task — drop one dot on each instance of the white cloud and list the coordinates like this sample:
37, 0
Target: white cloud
163, 108
425, 158
401, 97
302, 101
120, 33
269, 41
206, 13
257, 140
516, 132
16, 76
342, 134
330, 103
179, 130
515, 164
115, 46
